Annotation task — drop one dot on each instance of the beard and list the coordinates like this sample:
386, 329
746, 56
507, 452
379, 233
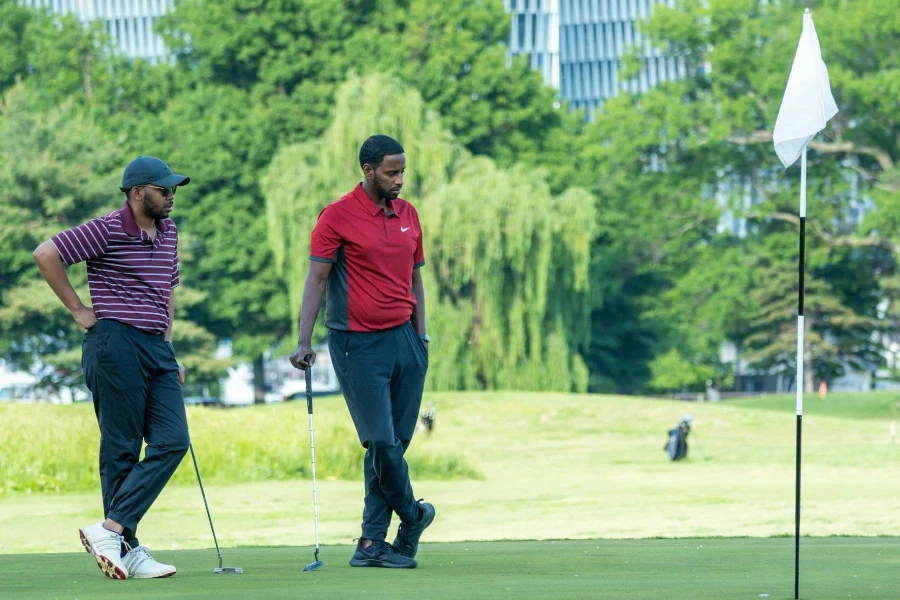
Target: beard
151, 211
385, 193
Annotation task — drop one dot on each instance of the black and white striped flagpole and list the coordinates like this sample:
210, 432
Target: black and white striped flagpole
800, 377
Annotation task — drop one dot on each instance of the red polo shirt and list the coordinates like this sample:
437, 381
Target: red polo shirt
373, 253
129, 275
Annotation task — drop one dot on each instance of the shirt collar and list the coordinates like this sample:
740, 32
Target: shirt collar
370, 207
130, 225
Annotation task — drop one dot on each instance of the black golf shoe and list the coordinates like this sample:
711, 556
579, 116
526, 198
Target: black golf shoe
407, 540
380, 554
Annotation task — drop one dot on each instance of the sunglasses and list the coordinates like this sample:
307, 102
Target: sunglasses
167, 191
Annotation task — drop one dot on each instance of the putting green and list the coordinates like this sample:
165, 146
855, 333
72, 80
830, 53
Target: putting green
695, 569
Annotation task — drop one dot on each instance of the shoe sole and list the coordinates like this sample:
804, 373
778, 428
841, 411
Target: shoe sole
106, 566
377, 563
85, 542
163, 576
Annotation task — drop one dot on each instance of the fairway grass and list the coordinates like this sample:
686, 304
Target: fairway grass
553, 466
690, 569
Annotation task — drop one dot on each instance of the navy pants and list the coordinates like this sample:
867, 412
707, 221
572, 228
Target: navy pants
133, 377
382, 376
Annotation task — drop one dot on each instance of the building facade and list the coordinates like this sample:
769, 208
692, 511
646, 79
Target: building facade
129, 23
578, 46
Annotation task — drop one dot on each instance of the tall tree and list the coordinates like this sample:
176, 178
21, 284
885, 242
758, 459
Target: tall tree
740, 53
56, 52
506, 261
291, 55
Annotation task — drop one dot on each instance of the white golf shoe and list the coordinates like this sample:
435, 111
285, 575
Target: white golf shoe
141, 565
106, 546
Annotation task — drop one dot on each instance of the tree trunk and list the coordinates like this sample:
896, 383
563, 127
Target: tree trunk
259, 380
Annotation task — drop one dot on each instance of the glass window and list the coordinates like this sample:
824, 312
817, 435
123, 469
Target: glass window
521, 31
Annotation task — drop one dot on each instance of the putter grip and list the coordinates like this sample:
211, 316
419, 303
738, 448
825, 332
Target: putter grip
308, 372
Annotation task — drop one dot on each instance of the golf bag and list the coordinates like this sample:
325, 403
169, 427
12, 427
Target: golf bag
677, 446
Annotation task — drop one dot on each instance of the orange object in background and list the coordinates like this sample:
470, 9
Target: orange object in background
823, 389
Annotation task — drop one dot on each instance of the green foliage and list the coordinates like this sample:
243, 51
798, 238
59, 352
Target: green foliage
55, 52
293, 55
219, 137
42, 192
672, 154
674, 373
519, 269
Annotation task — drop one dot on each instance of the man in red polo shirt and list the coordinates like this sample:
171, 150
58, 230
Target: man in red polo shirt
366, 252
127, 356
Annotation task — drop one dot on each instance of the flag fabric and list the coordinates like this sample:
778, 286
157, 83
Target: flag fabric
808, 104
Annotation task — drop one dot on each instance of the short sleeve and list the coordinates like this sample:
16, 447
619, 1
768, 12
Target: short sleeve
85, 242
419, 253
325, 239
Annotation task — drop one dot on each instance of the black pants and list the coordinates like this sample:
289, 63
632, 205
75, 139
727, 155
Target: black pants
382, 375
133, 377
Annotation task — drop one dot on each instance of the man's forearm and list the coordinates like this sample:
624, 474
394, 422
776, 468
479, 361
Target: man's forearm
54, 272
418, 316
309, 309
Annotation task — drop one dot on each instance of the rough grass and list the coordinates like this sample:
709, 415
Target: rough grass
51, 448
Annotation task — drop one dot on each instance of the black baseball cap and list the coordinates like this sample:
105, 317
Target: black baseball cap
149, 170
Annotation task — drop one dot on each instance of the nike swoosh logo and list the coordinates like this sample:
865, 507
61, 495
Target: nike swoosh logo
404, 230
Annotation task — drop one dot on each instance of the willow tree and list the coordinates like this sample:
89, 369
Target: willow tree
506, 262
508, 279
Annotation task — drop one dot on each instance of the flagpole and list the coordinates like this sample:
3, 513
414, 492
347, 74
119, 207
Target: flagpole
805, 110
800, 376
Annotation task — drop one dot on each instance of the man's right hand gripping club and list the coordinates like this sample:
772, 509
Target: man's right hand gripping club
303, 356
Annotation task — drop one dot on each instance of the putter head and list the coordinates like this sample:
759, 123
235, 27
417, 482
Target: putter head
313, 566
228, 570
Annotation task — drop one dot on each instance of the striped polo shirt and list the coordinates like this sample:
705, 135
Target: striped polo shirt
129, 275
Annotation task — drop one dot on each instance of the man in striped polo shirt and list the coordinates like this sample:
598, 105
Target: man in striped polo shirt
366, 249
127, 356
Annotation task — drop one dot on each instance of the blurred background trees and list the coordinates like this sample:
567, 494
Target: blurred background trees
621, 254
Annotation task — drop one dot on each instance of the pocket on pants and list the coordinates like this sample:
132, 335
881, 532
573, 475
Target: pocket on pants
420, 351
104, 345
95, 345
339, 349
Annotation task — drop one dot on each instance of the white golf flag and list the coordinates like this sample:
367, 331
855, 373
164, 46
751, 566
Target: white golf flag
808, 104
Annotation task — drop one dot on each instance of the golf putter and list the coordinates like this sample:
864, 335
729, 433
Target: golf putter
317, 564
220, 569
